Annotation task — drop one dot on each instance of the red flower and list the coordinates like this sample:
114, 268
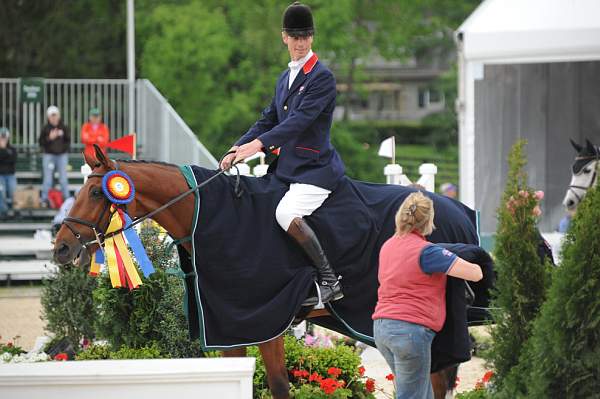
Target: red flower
487, 376
300, 373
334, 372
61, 357
390, 377
315, 377
9, 344
370, 385
329, 385
479, 385
361, 371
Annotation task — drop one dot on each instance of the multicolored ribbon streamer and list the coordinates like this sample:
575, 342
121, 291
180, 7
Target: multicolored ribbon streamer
115, 253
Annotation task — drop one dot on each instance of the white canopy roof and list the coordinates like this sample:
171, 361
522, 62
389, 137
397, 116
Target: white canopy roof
516, 31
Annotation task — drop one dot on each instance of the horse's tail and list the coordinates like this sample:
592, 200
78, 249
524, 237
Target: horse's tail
451, 374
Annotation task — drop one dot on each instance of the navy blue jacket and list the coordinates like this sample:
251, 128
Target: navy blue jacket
298, 122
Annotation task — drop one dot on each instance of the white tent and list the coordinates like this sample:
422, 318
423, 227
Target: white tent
517, 32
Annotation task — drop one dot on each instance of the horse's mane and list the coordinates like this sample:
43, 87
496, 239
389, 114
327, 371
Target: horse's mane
143, 161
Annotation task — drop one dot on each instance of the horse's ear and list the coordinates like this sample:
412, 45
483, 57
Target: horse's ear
102, 158
590, 147
90, 160
577, 147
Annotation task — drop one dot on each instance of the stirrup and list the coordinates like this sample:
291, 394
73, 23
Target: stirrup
320, 304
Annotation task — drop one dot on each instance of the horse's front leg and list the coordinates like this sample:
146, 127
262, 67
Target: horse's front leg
273, 355
238, 352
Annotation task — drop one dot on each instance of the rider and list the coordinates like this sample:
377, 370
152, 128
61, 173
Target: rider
298, 123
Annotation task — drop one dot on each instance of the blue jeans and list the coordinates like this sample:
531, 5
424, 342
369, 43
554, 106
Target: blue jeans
8, 185
406, 348
50, 164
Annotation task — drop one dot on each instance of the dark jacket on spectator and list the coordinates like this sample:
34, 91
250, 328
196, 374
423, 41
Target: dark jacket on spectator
8, 160
59, 145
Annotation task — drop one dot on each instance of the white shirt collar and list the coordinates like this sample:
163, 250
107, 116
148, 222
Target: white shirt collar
300, 63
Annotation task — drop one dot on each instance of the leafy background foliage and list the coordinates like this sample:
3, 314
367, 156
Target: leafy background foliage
216, 61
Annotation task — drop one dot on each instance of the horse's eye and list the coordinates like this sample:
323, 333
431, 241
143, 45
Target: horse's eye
587, 170
96, 192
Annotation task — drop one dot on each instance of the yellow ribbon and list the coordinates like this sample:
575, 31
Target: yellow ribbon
113, 247
94, 266
111, 263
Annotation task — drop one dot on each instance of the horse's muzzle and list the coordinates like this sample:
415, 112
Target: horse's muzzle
65, 253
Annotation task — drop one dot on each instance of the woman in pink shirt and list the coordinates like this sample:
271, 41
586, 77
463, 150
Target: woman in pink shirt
411, 304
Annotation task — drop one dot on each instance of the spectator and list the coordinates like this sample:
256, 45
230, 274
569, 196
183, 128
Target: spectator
55, 141
94, 132
8, 179
449, 190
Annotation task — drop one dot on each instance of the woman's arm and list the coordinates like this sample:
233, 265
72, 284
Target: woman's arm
465, 270
435, 259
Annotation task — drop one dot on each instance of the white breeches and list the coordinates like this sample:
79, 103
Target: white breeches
301, 200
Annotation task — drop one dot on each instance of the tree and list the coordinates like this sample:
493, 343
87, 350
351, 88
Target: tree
63, 39
522, 278
243, 42
565, 350
351, 32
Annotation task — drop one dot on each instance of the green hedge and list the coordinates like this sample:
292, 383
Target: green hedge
67, 305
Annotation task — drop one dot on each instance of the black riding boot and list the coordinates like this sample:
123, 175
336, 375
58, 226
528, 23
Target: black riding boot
329, 282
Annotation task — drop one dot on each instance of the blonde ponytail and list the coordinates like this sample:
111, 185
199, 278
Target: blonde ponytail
415, 214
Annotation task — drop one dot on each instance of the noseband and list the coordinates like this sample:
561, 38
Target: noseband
572, 187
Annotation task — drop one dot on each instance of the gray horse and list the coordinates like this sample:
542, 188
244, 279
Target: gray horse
585, 173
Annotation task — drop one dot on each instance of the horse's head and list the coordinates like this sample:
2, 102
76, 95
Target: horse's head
88, 217
584, 173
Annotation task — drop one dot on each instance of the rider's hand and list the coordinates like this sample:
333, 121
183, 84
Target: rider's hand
247, 150
228, 159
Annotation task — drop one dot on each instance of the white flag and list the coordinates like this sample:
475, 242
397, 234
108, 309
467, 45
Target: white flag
387, 148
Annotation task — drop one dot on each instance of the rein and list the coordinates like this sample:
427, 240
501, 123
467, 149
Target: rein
100, 236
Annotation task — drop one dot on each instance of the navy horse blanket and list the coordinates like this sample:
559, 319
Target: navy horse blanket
246, 278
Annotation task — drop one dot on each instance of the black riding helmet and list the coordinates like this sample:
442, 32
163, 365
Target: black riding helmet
298, 20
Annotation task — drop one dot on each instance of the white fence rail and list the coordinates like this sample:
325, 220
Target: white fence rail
224, 378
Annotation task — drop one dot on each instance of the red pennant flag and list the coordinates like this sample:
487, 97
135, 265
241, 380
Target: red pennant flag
125, 144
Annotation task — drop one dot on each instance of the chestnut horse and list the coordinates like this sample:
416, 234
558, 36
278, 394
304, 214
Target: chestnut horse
156, 184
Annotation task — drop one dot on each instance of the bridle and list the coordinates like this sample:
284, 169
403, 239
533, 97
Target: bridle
100, 234
584, 189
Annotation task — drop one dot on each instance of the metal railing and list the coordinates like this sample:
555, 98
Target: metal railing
162, 134
74, 98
